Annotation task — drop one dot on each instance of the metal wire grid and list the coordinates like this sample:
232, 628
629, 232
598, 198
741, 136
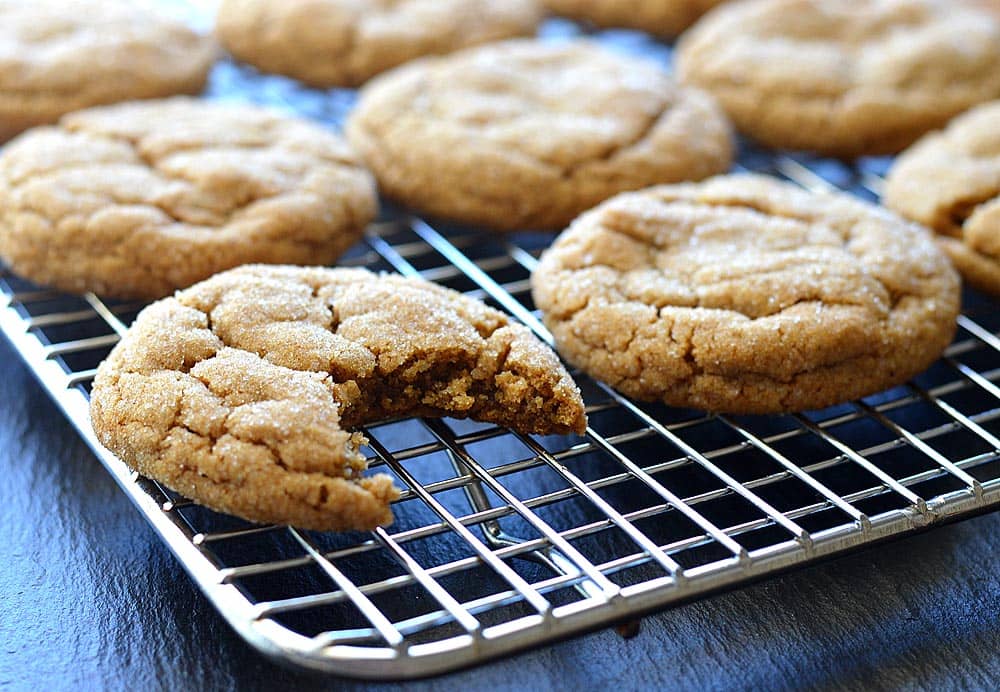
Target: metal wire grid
505, 541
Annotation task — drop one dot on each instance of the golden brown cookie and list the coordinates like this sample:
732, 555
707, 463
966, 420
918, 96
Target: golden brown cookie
661, 17
58, 56
843, 77
746, 295
529, 134
345, 42
239, 391
950, 182
988, 5
139, 199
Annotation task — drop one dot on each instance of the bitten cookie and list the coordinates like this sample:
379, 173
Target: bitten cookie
139, 199
661, 17
239, 391
843, 77
950, 182
345, 42
526, 134
58, 56
746, 295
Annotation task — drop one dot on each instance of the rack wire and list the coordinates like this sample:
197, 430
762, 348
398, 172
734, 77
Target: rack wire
505, 541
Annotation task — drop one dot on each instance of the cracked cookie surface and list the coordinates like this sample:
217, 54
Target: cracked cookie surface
746, 295
843, 77
58, 56
950, 182
526, 134
345, 42
239, 392
661, 17
136, 200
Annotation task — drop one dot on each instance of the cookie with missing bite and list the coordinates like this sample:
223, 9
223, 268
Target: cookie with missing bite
242, 392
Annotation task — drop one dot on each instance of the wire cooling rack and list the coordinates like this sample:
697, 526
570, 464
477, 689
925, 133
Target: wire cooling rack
505, 541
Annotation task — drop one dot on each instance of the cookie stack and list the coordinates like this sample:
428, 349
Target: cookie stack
672, 283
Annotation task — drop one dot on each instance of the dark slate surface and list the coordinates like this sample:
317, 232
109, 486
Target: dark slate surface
90, 599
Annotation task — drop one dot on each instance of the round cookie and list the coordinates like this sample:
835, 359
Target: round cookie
843, 77
988, 5
661, 17
239, 392
950, 182
58, 56
746, 295
528, 134
329, 43
136, 200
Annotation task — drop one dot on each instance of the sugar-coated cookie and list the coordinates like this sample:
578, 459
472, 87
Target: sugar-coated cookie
843, 77
136, 200
58, 56
950, 182
345, 42
528, 134
239, 392
744, 294
661, 17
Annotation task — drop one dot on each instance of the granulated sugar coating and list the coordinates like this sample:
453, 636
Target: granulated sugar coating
843, 77
950, 182
345, 42
58, 56
239, 392
529, 134
747, 295
139, 199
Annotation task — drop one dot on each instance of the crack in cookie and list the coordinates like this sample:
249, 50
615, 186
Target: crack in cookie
527, 134
240, 391
950, 182
843, 77
139, 199
746, 295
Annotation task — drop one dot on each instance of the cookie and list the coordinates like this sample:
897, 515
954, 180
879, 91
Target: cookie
526, 134
58, 56
136, 200
746, 295
329, 43
950, 182
843, 77
988, 5
661, 17
240, 391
